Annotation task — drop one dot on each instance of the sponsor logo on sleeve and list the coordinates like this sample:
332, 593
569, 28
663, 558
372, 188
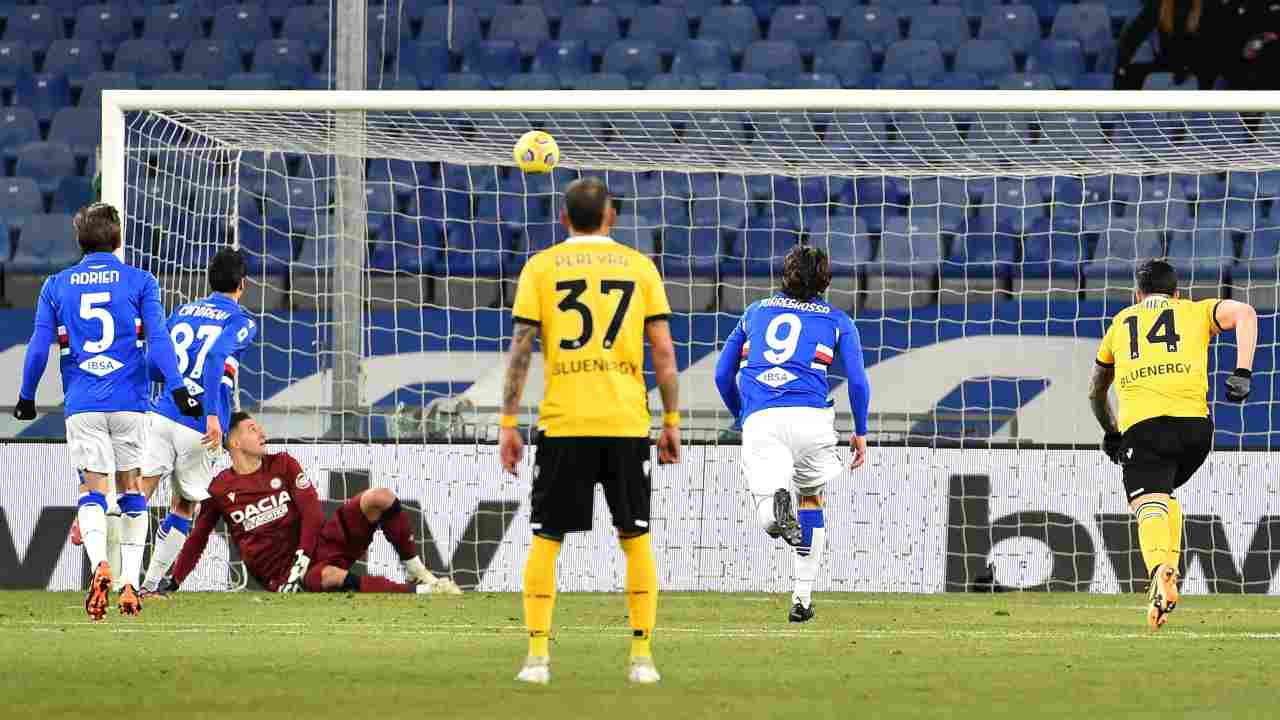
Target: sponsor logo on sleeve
303, 482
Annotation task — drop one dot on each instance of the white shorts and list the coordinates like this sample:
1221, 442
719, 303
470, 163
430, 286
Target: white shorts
106, 443
786, 445
175, 450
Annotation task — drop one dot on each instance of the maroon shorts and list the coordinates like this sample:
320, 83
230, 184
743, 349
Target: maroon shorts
344, 539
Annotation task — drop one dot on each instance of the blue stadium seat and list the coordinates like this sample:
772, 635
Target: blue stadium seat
690, 251
108, 25
776, 60
556, 10
213, 59
1074, 129
308, 24
804, 25
76, 59
1050, 254
757, 249
430, 60
637, 60
268, 247
175, 26
1118, 253
565, 59
596, 26
1016, 25
848, 59
20, 198
666, 27
909, 247
73, 193
46, 244
43, 94
242, 26
18, 127
412, 246
988, 59
914, 57
706, 59
466, 26
973, 9
1007, 205
1259, 258
286, 59
525, 24
179, 81
1062, 59
462, 81
1123, 10
79, 129
875, 25
386, 31
816, 81
982, 255
625, 9
847, 243
145, 58
694, 9
277, 10
671, 81
944, 25
957, 81
1025, 81
636, 231
253, 81
1200, 256
494, 59
486, 10
944, 200
733, 25
36, 25
1089, 23
744, 81
1095, 81
601, 81
91, 94
63, 10
478, 248
1165, 81
15, 59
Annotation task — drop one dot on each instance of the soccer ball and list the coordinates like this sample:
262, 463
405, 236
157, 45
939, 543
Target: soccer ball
536, 152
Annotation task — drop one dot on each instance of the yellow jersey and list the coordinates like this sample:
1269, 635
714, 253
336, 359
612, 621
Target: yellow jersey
1160, 350
591, 297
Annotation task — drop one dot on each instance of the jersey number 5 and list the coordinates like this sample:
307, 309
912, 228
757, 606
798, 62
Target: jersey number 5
1162, 331
89, 310
573, 303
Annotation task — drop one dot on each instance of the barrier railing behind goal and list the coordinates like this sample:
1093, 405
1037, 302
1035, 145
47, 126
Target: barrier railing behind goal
981, 241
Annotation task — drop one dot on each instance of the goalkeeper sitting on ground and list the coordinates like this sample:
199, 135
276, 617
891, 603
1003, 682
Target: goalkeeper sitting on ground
274, 517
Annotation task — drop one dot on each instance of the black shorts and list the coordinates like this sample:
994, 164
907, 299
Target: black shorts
1161, 454
566, 471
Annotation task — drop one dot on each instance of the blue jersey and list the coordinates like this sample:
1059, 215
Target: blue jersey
100, 311
779, 356
208, 335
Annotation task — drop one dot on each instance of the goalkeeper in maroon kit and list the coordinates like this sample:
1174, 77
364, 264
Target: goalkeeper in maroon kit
274, 517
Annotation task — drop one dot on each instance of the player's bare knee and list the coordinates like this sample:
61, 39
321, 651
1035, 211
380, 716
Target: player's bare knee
93, 482
812, 502
182, 506
375, 501
128, 481
332, 578
148, 485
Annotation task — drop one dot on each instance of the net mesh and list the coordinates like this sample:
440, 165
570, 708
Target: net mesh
981, 253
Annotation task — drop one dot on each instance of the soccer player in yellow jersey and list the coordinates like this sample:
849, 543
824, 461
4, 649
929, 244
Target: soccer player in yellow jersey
1159, 349
594, 302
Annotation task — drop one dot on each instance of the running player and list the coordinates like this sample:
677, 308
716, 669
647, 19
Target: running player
772, 375
100, 311
1158, 348
273, 513
595, 302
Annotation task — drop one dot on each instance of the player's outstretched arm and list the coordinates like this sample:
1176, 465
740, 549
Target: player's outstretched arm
1241, 317
37, 356
510, 444
658, 332
849, 345
193, 548
727, 372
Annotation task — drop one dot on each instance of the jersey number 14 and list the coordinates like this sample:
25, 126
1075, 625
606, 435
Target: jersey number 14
1161, 332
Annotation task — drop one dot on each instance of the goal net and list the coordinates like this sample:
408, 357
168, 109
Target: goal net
980, 240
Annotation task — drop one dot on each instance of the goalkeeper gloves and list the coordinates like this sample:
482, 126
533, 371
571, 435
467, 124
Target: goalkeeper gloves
296, 573
1238, 385
1111, 445
187, 405
25, 409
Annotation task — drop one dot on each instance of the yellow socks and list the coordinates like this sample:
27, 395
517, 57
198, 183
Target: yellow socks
540, 593
642, 592
1175, 533
1154, 533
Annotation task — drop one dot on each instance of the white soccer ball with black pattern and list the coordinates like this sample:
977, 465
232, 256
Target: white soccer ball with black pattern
536, 152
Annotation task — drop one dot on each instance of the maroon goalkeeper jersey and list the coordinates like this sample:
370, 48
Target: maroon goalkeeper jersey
270, 514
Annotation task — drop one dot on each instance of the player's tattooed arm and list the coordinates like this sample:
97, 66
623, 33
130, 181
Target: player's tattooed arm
518, 360
1099, 384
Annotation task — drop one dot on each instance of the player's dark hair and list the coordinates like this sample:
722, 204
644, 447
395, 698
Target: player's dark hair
1157, 277
237, 418
586, 202
227, 269
97, 228
806, 273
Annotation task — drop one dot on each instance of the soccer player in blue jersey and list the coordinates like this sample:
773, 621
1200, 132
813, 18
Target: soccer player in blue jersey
772, 375
100, 311
209, 336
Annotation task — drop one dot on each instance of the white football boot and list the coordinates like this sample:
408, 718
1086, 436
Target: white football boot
536, 670
425, 583
643, 672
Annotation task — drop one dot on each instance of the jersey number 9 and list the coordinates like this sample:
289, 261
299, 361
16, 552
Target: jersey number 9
782, 336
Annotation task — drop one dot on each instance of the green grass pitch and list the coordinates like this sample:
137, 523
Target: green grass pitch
254, 655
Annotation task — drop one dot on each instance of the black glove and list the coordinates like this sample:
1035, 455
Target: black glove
187, 405
25, 409
1238, 385
1111, 445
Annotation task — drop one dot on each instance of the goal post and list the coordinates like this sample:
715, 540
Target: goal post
981, 240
